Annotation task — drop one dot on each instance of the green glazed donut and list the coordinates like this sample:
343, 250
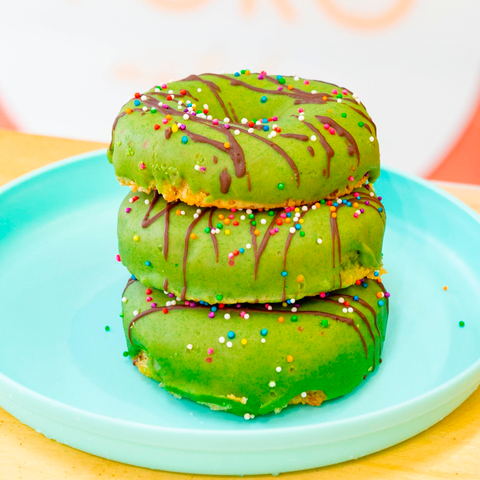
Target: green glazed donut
245, 141
252, 360
230, 256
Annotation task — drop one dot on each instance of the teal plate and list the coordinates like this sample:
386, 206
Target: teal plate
65, 376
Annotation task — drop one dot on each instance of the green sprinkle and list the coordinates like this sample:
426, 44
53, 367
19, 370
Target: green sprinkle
339, 95
360, 124
253, 222
153, 110
461, 323
251, 216
207, 230
219, 225
219, 297
242, 72
121, 315
107, 328
324, 322
282, 81
294, 318
271, 213
125, 354
281, 186
344, 115
302, 233
255, 120
322, 202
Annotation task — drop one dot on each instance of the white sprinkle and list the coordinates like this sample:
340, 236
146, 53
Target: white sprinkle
313, 207
341, 300
209, 117
135, 313
189, 346
295, 219
292, 300
237, 132
372, 194
296, 78
275, 126
345, 310
226, 120
205, 106
263, 221
258, 122
160, 104
197, 167
246, 316
305, 208
167, 304
271, 384
314, 91
180, 102
358, 101
124, 299
294, 309
247, 416
244, 121
303, 394
183, 212
179, 107
147, 201
199, 210
248, 246
242, 217
195, 215
273, 134
173, 302
350, 310
319, 241
339, 100
178, 298
229, 344
297, 214
250, 130
263, 340
292, 230
269, 307
170, 91
313, 138
249, 211
301, 118
199, 90
144, 109
143, 98
186, 116
371, 139
278, 369
226, 316
221, 339
244, 400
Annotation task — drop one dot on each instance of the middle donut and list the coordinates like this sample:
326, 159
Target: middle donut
229, 256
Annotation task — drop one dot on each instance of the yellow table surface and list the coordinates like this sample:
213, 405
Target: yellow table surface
448, 450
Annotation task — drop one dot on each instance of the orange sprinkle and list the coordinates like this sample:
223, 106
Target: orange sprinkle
334, 215
290, 87
379, 294
332, 208
445, 288
247, 72
289, 358
169, 117
257, 232
129, 111
281, 319
193, 236
329, 111
288, 220
300, 278
221, 217
324, 98
318, 205
355, 205
227, 221
226, 145
178, 212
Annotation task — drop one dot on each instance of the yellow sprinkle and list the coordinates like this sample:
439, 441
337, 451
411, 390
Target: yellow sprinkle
297, 210
289, 358
175, 128
193, 236
227, 232
221, 217
284, 304
136, 238
300, 278
257, 232
281, 319
301, 220
334, 215
226, 145
244, 341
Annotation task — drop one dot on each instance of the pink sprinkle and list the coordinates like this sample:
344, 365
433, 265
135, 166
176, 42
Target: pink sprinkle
211, 315
210, 351
332, 131
154, 305
276, 229
215, 121
149, 299
334, 91
260, 77
187, 303
300, 110
272, 231
142, 166
128, 209
387, 294
322, 295
283, 215
306, 82
280, 88
326, 126
118, 258
275, 118
345, 92
231, 217
164, 121
230, 255
242, 313
351, 178
233, 210
164, 85
209, 359
267, 305
355, 215
227, 126
202, 169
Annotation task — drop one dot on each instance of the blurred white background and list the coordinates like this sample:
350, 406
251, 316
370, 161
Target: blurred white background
67, 66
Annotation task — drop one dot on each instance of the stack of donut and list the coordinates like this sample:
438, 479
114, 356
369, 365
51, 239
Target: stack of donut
253, 236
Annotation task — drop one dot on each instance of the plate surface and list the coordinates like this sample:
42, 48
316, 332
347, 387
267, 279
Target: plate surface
63, 374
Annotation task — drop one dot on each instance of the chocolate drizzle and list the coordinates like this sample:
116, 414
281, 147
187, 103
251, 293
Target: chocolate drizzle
165, 285
326, 146
168, 133
311, 151
296, 136
342, 132
335, 238
225, 181
185, 251
130, 282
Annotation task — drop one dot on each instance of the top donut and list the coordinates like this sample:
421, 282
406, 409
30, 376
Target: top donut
245, 141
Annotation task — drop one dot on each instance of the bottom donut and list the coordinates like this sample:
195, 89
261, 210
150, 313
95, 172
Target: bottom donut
251, 359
